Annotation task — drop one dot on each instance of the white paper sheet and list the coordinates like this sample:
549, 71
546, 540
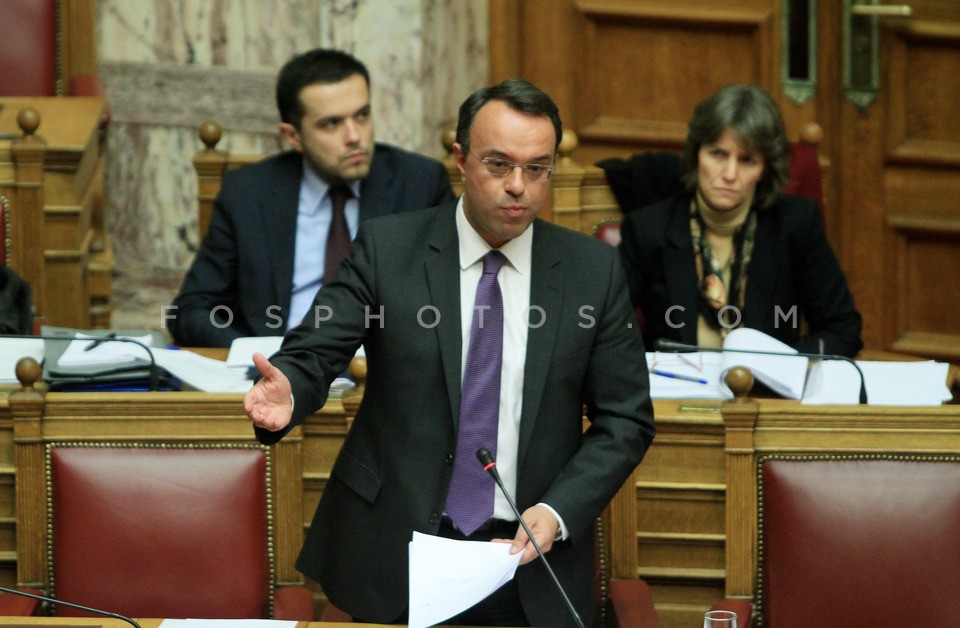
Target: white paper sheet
889, 383
226, 623
448, 576
202, 373
12, 350
242, 349
110, 351
700, 366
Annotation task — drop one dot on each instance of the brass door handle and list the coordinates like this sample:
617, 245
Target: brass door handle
882, 10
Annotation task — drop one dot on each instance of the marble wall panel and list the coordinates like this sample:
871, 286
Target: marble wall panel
169, 65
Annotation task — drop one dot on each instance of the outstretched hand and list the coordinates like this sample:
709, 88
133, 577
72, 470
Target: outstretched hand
269, 403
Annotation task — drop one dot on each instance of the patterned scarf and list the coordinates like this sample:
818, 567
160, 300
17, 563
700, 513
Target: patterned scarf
714, 293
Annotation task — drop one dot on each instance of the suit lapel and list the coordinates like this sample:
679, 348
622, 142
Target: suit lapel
443, 283
546, 292
278, 215
680, 270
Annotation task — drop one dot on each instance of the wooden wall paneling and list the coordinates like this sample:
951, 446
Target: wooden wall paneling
921, 188
650, 64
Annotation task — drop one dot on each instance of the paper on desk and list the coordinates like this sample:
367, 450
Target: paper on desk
242, 349
12, 350
889, 383
226, 623
447, 577
107, 352
202, 373
700, 365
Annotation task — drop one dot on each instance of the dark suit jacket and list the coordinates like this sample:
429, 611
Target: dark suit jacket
792, 266
393, 471
246, 260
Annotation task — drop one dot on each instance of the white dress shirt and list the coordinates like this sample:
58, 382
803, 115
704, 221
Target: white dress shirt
514, 279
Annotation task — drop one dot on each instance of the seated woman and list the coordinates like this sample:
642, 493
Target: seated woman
731, 249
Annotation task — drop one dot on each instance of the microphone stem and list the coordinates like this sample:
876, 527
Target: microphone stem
88, 609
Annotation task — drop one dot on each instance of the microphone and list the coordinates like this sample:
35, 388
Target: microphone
662, 344
88, 609
486, 459
154, 371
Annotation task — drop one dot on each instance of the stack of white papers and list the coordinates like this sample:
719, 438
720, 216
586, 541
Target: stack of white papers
785, 375
447, 577
87, 350
202, 373
888, 383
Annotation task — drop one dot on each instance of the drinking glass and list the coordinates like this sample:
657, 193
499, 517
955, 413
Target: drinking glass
720, 619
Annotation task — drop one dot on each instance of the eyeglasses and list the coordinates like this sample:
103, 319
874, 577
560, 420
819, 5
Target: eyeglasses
501, 168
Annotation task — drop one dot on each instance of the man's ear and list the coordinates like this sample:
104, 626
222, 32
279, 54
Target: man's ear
291, 136
460, 158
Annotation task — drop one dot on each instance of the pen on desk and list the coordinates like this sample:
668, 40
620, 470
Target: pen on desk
99, 341
686, 378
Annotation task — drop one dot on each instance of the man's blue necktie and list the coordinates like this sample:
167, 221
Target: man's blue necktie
470, 499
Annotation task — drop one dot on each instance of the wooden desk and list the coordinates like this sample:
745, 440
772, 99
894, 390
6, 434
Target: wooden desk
667, 524
53, 178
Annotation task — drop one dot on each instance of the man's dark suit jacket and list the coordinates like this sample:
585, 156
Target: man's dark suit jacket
246, 260
792, 266
393, 471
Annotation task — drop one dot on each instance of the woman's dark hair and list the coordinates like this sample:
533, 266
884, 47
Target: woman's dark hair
519, 94
754, 116
320, 65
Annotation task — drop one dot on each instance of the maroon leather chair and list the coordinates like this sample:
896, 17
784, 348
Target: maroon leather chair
175, 531
31, 55
860, 540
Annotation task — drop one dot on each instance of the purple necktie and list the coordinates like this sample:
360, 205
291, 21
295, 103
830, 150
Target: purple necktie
470, 500
338, 238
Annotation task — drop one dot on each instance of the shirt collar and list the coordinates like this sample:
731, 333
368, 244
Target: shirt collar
518, 251
313, 189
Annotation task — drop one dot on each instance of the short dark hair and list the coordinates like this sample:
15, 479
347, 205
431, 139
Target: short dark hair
753, 114
519, 94
320, 65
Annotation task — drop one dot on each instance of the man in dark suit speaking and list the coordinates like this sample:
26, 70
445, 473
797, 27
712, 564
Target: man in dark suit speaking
483, 327
280, 225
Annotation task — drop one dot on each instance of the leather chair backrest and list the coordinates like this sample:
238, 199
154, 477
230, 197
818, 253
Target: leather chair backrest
161, 531
28, 48
859, 541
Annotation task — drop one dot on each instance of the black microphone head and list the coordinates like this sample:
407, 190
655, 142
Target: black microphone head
662, 344
484, 456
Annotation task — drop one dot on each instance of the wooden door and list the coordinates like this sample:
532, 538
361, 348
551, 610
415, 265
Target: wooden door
898, 170
627, 74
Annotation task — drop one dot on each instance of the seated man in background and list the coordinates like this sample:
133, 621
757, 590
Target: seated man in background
731, 249
279, 227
